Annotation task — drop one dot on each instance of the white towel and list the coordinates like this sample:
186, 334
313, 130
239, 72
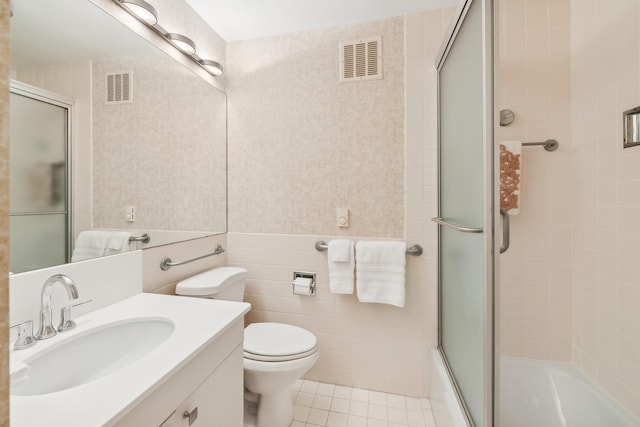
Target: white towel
510, 170
118, 242
380, 272
341, 263
90, 244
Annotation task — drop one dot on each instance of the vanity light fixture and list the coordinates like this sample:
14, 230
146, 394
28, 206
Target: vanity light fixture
213, 67
147, 14
183, 43
141, 10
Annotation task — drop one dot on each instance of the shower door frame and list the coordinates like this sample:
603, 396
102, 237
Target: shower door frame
491, 196
42, 95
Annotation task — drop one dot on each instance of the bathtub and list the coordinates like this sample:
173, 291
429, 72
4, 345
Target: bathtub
446, 407
536, 393
533, 393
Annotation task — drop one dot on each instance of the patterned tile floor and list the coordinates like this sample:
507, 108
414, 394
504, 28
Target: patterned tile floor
320, 404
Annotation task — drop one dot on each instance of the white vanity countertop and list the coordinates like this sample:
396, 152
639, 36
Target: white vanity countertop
198, 322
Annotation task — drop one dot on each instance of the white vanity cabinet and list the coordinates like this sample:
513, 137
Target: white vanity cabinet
212, 382
215, 403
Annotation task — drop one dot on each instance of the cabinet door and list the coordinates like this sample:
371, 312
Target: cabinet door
173, 421
219, 399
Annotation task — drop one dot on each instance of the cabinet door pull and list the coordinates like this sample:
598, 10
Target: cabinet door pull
193, 415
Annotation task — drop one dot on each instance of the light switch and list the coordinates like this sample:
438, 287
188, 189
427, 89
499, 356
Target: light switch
342, 216
130, 214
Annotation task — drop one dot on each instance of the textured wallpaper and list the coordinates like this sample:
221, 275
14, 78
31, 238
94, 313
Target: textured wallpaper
303, 144
146, 153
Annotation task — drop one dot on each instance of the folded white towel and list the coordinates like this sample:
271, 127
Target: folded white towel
118, 242
380, 272
90, 244
341, 263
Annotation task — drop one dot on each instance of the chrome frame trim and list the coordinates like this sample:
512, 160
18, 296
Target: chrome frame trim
495, 325
32, 92
491, 197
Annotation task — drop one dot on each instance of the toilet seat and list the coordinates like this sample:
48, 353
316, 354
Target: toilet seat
277, 342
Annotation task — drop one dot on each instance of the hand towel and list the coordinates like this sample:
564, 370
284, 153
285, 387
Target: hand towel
510, 168
90, 244
380, 272
118, 242
341, 264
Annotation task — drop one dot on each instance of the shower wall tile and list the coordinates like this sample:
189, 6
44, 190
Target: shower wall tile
605, 59
535, 273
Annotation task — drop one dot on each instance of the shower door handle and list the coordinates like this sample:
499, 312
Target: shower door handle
456, 227
505, 231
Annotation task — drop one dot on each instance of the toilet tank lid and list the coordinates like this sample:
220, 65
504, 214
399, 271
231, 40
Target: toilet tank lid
211, 282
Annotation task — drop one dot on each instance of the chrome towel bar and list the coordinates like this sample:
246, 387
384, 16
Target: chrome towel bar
144, 238
415, 249
166, 263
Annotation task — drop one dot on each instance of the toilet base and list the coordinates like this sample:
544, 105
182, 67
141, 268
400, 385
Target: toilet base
275, 409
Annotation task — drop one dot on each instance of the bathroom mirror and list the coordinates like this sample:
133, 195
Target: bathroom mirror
147, 136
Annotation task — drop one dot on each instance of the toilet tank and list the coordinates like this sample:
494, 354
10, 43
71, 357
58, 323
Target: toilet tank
225, 283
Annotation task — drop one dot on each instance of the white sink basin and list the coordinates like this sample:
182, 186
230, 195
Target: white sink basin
89, 355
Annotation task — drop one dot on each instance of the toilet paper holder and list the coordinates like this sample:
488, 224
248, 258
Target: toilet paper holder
304, 283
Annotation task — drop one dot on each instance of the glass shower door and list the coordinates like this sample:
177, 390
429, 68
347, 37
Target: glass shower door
466, 208
38, 197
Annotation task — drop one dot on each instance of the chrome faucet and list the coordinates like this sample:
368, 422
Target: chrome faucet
46, 329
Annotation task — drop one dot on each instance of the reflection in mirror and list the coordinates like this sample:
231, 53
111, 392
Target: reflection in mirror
147, 139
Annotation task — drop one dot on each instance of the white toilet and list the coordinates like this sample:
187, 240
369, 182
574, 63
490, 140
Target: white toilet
275, 354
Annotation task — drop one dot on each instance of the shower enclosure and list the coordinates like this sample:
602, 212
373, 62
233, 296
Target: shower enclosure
550, 335
39, 219
466, 208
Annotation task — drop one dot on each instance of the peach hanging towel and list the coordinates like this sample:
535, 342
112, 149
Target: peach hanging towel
510, 168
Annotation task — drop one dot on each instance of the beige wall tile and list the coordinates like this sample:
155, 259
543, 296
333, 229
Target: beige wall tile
605, 79
363, 345
534, 73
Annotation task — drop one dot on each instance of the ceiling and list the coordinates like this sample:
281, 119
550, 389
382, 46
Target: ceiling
248, 19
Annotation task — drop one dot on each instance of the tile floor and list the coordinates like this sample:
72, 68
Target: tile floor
320, 404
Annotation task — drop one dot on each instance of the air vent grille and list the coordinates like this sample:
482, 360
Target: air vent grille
361, 59
119, 88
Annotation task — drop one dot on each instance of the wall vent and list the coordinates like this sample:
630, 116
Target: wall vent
119, 88
361, 59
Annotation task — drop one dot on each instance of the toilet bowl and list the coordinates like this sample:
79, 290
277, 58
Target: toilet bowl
275, 354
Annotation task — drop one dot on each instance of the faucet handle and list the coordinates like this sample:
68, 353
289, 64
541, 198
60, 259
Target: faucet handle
25, 335
66, 322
